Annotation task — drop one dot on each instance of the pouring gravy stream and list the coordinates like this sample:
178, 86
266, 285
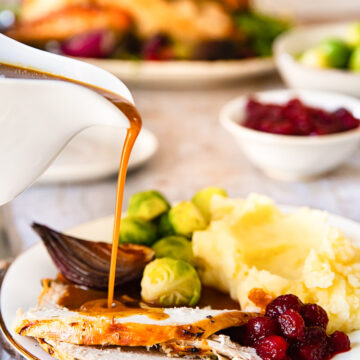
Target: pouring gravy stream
129, 110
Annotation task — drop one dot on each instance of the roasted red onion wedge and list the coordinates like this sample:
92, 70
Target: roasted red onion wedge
87, 263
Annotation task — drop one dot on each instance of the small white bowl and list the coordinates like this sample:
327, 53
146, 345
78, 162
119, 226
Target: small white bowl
293, 157
299, 76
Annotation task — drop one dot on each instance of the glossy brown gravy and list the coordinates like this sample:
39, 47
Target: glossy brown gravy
128, 301
87, 301
129, 110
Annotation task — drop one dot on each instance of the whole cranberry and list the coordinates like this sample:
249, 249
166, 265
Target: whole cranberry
345, 120
272, 347
314, 315
308, 352
266, 125
282, 303
292, 325
259, 327
297, 113
284, 127
313, 345
255, 110
339, 342
314, 335
274, 112
330, 349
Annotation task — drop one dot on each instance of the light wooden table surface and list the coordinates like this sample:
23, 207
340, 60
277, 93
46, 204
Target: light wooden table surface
194, 152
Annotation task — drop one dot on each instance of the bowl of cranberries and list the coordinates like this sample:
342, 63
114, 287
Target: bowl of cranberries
294, 135
291, 330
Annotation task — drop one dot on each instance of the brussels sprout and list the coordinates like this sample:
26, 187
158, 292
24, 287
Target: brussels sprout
137, 231
170, 282
336, 52
175, 247
314, 57
186, 218
353, 34
202, 199
354, 63
164, 226
147, 205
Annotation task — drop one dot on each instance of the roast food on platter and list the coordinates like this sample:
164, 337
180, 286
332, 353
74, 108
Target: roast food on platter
150, 30
208, 278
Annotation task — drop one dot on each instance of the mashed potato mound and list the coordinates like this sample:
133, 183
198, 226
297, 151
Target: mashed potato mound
250, 244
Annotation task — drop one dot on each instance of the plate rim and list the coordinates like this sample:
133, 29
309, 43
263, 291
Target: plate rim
59, 176
181, 63
28, 355
4, 330
182, 72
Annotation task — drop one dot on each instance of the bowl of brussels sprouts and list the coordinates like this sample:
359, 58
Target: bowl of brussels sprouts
322, 57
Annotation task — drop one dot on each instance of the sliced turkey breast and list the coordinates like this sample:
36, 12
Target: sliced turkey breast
131, 324
217, 346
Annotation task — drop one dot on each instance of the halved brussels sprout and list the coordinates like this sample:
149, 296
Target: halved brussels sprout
186, 218
202, 199
336, 52
331, 53
137, 231
147, 205
164, 226
175, 247
170, 282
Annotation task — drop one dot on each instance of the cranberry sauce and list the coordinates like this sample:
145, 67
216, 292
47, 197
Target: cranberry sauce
291, 330
295, 118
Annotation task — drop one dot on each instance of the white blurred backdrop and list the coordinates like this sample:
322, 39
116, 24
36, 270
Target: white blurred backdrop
301, 10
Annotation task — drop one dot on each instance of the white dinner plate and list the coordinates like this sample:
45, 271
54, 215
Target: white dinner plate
95, 153
184, 73
21, 286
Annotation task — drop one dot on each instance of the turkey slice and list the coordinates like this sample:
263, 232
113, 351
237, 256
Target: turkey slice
64, 351
134, 326
220, 346
217, 346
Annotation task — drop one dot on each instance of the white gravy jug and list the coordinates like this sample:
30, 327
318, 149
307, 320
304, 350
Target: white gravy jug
39, 117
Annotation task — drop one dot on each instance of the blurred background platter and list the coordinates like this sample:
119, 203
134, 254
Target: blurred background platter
183, 73
95, 154
181, 42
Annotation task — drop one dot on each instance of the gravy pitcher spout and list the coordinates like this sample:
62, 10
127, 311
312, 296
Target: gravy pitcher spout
38, 117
